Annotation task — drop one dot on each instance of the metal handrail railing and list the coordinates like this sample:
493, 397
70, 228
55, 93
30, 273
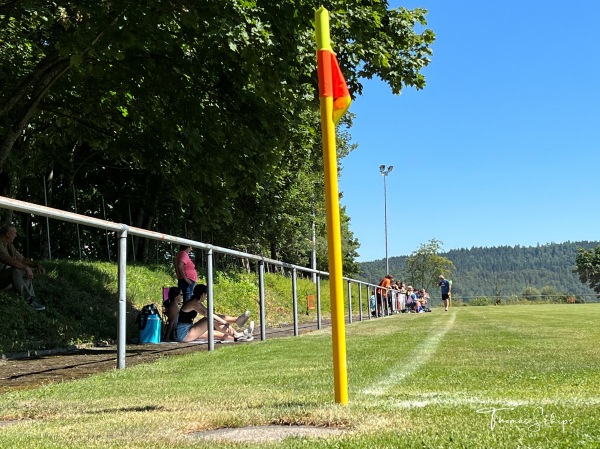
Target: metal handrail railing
123, 231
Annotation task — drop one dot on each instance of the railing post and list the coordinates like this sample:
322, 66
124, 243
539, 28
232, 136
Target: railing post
261, 298
105, 231
385, 303
122, 293
318, 301
123, 232
349, 302
47, 221
295, 301
210, 305
360, 301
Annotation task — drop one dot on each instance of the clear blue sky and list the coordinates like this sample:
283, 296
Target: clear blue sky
500, 148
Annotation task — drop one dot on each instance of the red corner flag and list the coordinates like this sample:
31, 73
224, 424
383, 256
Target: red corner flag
332, 83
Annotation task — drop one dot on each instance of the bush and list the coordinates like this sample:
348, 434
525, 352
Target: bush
481, 301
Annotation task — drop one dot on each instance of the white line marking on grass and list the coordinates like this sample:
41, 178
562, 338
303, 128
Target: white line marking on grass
455, 402
417, 358
458, 401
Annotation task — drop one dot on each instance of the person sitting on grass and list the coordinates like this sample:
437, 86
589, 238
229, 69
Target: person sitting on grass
171, 308
411, 299
187, 330
16, 269
423, 300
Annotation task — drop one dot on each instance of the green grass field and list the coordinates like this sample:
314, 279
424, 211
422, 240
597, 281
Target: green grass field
474, 377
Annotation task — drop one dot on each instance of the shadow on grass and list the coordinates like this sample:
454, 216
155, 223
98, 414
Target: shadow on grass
147, 408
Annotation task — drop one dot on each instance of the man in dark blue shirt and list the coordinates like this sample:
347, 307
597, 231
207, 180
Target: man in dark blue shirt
446, 291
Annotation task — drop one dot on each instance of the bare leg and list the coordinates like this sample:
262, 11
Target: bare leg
200, 330
228, 330
239, 320
229, 319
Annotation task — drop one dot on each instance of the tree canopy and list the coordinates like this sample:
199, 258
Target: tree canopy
425, 264
187, 117
588, 267
502, 270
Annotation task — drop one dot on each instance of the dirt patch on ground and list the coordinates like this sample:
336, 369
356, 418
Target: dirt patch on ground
37, 370
45, 367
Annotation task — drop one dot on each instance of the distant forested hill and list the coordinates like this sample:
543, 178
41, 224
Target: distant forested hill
506, 269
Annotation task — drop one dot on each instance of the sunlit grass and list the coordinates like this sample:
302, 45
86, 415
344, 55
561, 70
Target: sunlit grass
482, 377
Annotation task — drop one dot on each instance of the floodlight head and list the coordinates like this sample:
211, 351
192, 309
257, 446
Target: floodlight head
390, 168
382, 168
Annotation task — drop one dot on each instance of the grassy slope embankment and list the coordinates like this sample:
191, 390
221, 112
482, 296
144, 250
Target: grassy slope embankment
81, 302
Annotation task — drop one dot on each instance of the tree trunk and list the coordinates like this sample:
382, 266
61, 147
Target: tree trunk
144, 244
48, 180
246, 264
24, 108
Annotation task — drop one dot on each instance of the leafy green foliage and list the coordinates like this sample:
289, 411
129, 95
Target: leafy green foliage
480, 301
588, 267
186, 118
424, 265
504, 271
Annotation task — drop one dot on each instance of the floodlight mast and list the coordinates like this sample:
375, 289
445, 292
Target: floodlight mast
385, 172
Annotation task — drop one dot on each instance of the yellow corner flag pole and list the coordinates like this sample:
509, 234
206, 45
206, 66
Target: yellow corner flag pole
332, 204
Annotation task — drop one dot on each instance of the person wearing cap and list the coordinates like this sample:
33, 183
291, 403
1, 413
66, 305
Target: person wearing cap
446, 289
16, 269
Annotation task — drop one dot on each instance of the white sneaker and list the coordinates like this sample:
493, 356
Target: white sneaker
36, 306
244, 338
249, 330
241, 320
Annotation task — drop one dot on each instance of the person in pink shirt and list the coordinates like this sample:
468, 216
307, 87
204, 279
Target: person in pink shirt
185, 271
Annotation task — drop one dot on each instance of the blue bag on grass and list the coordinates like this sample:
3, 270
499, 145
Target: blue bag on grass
150, 324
